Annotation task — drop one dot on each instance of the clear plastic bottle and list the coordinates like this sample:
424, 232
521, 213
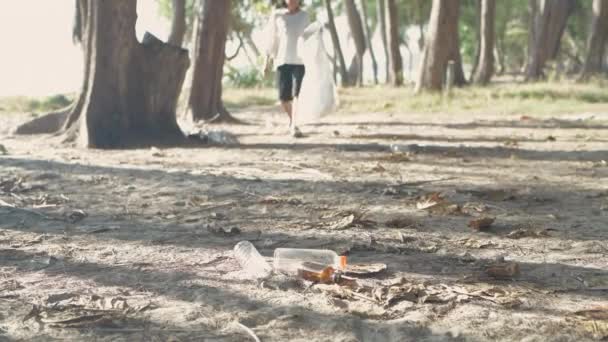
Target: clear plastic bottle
252, 262
290, 260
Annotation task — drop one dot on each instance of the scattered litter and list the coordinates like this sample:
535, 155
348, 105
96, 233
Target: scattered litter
75, 216
223, 231
412, 148
215, 137
482, 224
156, 152
506, 270
551, 138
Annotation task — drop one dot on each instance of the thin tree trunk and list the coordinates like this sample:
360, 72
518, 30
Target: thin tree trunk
209, 54
552, 23
533, 22
368, 39
251, 44
346, 81
442, 46
395, 60
478, 24
598, 37
488, 33
356, 28
178, 24
421, 20
381, 12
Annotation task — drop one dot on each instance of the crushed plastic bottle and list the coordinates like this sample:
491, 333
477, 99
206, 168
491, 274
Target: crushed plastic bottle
252, 262
290, 260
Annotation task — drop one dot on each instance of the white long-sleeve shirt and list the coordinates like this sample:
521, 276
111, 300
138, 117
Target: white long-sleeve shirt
286, 30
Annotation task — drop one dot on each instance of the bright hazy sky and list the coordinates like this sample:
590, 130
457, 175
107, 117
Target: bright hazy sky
38, 57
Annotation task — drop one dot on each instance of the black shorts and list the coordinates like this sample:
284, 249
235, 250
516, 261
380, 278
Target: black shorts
287, 75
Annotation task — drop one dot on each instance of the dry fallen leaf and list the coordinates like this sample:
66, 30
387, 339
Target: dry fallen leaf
482, 224
429, 201
349, 219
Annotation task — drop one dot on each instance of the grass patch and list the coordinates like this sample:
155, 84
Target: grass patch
243, 98
23, 104
541, 99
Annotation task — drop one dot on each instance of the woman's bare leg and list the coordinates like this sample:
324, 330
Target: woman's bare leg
288, 108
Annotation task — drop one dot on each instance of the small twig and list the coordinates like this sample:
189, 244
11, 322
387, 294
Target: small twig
358, 295
476, 295
249, 331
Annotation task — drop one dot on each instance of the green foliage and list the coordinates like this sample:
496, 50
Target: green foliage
248, 77
505, 98
22, 104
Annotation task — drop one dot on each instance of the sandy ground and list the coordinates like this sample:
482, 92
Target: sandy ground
136, 245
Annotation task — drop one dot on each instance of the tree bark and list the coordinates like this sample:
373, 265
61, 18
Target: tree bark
395, 60
368, 38
485, 68
442, 46
356, 28
477, 37
598, 37
178, 23
533, 21
130, 90
209, 54
336, 43
381, 12
549, 31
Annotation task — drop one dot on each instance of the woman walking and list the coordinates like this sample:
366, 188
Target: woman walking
286, 27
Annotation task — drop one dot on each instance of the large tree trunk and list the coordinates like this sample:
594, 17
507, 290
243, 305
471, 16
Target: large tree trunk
336, 43
368, 38
356, 29
551, 25
598, 37
395, 60
209, 54
485, 68
442, 46
381, 12
131, 90
178, 24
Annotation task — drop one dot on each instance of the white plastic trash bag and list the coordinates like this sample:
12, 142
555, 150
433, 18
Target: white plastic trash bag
318, 96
